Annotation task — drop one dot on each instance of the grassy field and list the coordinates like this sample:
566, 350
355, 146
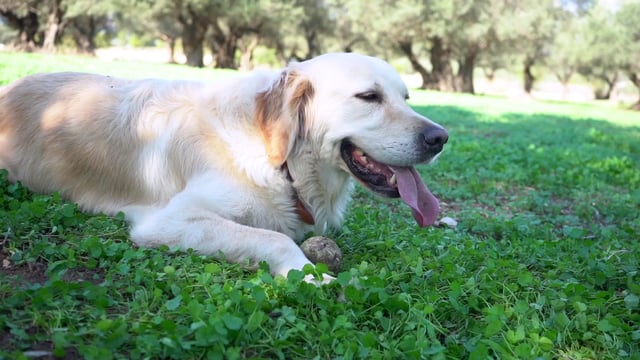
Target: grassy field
542, 265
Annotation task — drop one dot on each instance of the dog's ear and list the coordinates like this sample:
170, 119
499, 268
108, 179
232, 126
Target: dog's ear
281, 113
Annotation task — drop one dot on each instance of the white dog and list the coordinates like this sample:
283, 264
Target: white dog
238, 168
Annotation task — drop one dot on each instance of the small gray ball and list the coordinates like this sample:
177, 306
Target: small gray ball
320, 249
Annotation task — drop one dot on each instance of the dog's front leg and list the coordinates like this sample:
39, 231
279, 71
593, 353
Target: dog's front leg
185, 222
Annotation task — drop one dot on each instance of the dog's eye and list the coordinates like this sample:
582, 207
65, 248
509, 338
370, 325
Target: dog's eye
369, 96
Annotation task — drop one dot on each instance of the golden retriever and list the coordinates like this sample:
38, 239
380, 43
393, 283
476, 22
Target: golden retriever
237, 168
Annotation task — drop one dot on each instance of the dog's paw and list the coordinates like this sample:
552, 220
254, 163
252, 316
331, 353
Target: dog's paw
312, 279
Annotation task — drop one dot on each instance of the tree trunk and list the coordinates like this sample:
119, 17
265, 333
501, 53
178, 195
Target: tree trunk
31, 25
441, 73
564, 75
246, 59
86, 28
224, 45
490, 74
54, 25
193, 43
225, 52
172, 50
349, 46
529, 79
27, 27
635, 79
194, 30
406, 46
604, 93
313, 46
171, 43
280, 52
465, 71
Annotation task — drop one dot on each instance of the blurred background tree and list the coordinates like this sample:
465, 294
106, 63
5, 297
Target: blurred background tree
445, 42
600, 53
628, 19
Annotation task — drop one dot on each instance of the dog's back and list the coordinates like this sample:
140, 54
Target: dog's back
82, 135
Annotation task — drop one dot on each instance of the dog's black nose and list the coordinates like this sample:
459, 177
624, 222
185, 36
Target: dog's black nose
435, 137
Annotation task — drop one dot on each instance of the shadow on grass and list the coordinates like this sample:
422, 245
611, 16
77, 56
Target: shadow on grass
557, 169
530, 148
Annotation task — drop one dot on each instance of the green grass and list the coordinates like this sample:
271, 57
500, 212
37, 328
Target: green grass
543, 264
14, 66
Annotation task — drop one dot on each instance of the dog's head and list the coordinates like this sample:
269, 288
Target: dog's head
354, 107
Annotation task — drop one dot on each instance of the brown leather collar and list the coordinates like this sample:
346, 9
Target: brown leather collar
303, 212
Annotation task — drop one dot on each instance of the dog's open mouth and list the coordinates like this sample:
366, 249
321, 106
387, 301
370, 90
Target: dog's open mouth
392, 181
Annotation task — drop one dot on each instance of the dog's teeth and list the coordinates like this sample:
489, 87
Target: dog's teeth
358, 152
364, 159
393, 180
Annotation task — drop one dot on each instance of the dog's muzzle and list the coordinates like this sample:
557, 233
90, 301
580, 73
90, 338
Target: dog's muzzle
434, 138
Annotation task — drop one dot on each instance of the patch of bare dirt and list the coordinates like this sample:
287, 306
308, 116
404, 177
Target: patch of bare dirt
20, 274
80, 274
30, 272
40, 351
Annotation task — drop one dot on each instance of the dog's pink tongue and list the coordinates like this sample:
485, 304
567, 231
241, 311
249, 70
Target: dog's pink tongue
415, 194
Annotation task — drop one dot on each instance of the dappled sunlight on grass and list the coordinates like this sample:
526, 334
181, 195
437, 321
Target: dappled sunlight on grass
488, 108
19, 65
592, 164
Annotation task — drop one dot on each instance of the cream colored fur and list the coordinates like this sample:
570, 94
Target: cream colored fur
198, 165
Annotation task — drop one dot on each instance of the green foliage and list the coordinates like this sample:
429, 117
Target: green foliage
543, 263
15, 65
443, 40
568, 49
628, 18
266, 56
7, 34
593, 47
